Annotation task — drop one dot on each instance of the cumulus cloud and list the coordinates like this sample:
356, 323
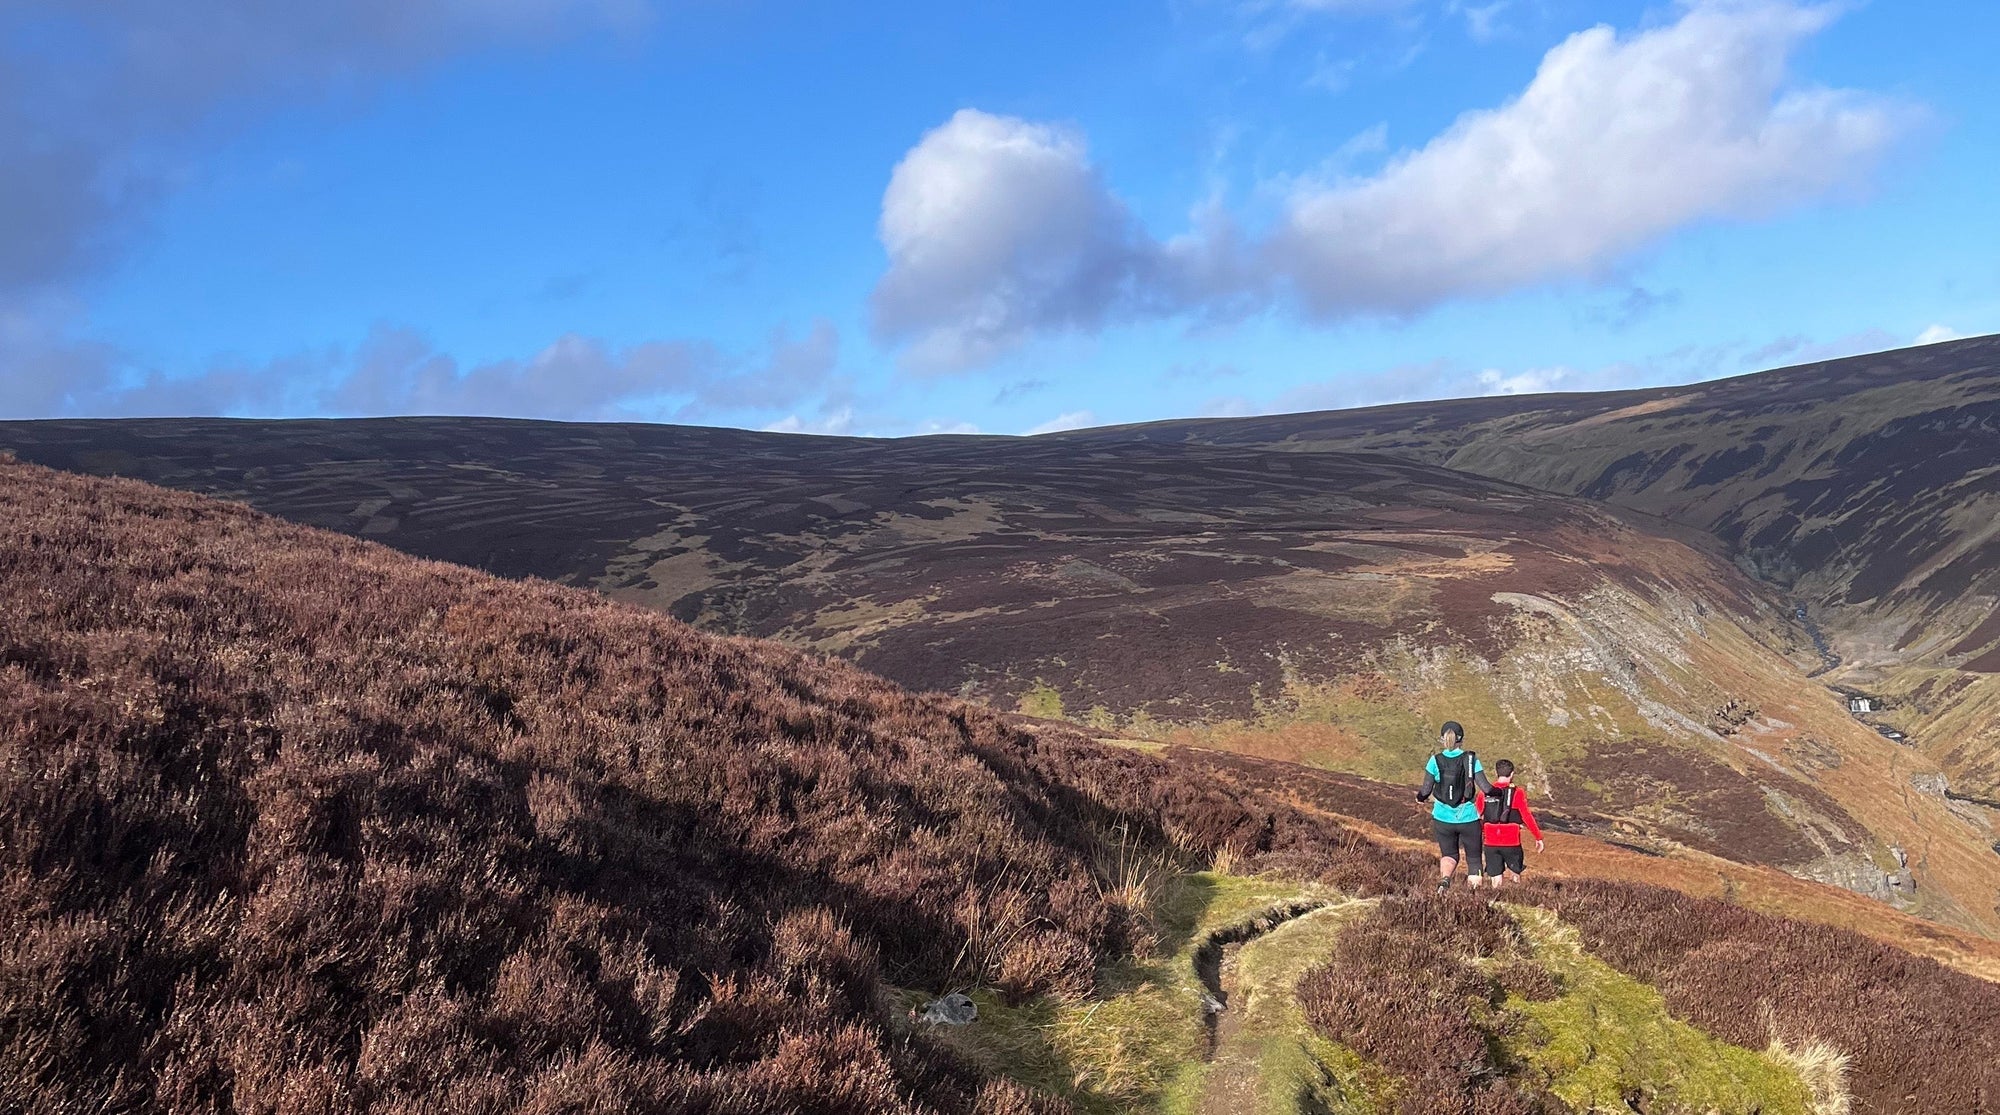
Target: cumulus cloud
398, 371
1937, 334
998, 229
1616, 142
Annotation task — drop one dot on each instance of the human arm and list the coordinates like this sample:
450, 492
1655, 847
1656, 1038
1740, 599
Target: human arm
1479, 776
1429, 784
1528, 818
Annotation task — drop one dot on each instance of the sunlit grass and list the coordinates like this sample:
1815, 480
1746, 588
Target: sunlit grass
1138, 1043
1607, 1037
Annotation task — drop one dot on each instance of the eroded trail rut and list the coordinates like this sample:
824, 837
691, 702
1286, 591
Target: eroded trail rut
1211, 955
1248, 971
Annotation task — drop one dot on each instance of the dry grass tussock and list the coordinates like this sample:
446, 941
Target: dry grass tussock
293, 823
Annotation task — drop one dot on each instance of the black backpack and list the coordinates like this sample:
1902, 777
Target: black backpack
1500, 807
1454, 780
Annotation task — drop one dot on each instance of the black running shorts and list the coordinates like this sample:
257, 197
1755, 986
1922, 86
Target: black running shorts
1452, 839
1500, 859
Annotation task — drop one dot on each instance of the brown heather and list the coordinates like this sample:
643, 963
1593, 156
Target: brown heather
1399, 990
293, 823
1920, 1038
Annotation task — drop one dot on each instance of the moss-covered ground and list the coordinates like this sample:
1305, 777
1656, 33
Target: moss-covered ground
1142, 1042
1606, 1040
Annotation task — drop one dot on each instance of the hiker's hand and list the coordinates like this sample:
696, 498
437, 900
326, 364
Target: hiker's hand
1538, 847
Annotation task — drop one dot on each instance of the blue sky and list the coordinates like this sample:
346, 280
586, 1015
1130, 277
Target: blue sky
901, 218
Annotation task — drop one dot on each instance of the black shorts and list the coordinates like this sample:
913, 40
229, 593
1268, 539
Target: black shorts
1500, 859
1452, 838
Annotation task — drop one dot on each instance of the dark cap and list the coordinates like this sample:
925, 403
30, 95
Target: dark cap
1455, 728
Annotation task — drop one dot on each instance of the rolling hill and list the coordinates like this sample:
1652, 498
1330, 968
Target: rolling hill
1318, 588
1868, 488
1868, 485
293, 822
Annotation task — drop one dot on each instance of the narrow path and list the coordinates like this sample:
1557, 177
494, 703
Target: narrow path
1256, 1055
1217, 948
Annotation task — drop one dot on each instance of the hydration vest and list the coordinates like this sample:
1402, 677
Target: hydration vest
1500, 807
1454, 778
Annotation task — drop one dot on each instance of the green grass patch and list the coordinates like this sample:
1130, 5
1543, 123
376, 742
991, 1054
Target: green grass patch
1041, 699
1295, 1068
1137, 1043
1608, 1036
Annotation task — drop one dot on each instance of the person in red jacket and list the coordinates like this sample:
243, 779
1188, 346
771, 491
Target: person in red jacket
1504, 809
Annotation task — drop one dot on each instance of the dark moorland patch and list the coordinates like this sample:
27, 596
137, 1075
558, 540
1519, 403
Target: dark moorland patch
1695, 800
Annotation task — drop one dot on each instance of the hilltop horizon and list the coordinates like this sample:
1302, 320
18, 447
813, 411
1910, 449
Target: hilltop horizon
1514, 398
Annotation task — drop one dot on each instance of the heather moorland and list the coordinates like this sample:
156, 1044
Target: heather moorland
297, 823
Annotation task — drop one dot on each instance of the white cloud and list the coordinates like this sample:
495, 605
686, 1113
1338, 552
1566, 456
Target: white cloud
1482, 21
1534, 381
1616, 142
838, 423
398, 371
945, 426
1073, 420
1000, 229
1370, 141
996, 229
1937, 334
103, 105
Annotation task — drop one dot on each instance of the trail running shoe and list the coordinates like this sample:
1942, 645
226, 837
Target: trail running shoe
1444, 885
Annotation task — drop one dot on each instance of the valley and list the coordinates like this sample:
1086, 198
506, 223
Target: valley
1318, 589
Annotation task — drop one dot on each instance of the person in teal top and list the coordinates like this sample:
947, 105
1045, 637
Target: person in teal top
1453, 780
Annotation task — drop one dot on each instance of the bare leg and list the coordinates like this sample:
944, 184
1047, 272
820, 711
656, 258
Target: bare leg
1446, 865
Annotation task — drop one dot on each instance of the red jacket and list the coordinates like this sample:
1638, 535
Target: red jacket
1509, 836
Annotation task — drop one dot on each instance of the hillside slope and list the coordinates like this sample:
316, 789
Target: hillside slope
1868, 487
1871, 482
294, 823
291, 823
1325, 607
